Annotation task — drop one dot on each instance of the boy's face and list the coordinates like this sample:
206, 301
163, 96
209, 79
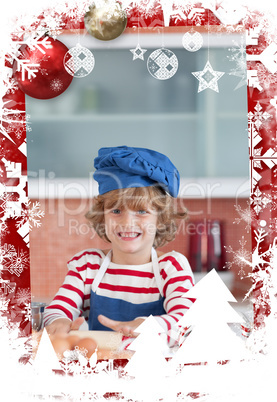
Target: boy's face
131, 233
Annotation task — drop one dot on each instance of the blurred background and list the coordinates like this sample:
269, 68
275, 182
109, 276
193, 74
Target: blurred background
120, 103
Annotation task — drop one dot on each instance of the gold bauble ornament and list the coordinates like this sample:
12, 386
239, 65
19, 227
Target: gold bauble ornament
105, 21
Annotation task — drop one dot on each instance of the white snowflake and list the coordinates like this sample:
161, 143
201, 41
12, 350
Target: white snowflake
7, 251
259, 200
241, 257
17, 123
7, 287
56, 85
263, 264
35, 40
31, 213
18, 132
18, 263
265, 77
258, 117
9, 119
238, 56
14, 261
260, 262
23, 295
182, 12
53, 24
13, 121
246, 215
6, 198
29, 65
11, 86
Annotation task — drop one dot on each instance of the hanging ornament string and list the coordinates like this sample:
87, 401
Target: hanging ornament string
138, 25
208, 77
138, 52
162, 37
192, 41
79, 61
208, 36
162, 63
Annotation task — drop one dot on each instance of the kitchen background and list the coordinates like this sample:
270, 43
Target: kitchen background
120, 103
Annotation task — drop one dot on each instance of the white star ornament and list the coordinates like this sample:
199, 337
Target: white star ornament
208, 78
138, 52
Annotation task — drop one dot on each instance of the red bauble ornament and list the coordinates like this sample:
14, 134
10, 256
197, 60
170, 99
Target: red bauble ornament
42, 75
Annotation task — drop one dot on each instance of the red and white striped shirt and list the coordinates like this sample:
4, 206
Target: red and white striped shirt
132, 283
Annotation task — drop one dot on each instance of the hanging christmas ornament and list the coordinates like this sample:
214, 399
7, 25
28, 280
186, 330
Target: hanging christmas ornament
79, 61
208, 78
162, 64
192, 41
40, 71
138, 52
106, 21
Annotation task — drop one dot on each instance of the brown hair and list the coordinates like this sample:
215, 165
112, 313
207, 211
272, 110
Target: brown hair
136, 198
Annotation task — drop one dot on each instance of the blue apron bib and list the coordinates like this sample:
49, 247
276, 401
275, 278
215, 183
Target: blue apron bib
117, 309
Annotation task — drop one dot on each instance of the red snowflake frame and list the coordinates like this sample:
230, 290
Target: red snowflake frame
262, 155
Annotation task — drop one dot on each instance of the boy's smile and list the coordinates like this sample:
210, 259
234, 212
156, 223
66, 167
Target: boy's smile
131, 234
127, 236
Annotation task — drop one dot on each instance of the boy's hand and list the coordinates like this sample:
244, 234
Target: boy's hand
64, 325
127, 328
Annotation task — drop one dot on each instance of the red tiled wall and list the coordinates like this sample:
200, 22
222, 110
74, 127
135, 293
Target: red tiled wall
64, 232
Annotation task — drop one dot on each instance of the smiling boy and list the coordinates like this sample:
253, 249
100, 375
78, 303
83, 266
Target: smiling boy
135, 213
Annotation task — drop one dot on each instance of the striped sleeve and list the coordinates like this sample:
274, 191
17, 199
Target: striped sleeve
177, 279
73, 297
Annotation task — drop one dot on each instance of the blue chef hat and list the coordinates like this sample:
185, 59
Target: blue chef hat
123, 167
